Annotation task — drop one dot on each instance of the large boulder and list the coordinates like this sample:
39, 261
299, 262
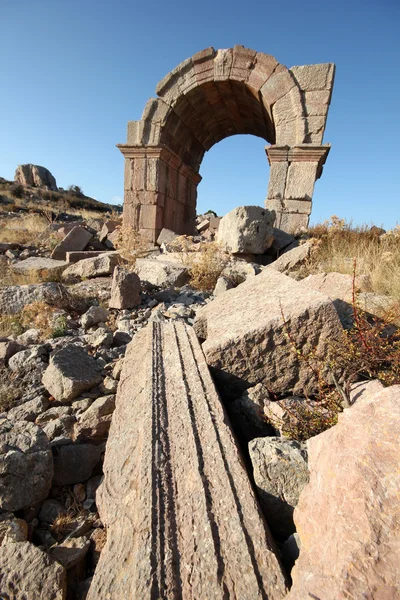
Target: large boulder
348, 514
246, 334
13, 298
98, 266
161, 273
71, 371
280, 474
125, 289
28, 573
26, 465
36, 176
247, 230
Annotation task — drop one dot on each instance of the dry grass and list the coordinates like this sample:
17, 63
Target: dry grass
11, 389
339, 244
37, 315
205, 265
23, 230
130, 245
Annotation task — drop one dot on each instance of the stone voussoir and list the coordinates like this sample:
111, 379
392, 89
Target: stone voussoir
181, 516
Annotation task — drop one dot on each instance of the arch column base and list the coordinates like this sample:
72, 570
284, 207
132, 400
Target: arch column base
160, 191
293, 172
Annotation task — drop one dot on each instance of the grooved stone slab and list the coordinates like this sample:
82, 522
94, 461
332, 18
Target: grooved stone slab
182, 520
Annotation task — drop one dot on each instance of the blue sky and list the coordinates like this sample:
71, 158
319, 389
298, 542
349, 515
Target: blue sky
74, 72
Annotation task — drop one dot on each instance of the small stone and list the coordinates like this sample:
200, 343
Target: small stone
75, 463
71, 371
125, 289
95, 422
94, 316
80, 492
70, 552
51, 509
12, 529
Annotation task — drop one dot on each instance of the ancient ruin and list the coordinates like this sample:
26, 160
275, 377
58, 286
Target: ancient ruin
208, 97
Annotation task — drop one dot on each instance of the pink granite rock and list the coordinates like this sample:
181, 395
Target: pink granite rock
348, 514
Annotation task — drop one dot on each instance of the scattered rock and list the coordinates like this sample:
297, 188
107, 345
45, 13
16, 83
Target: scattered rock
247, 229
247, 413
166, 236
29, 573
77, 239
223, 284
28, 411
26, 465
12, 529
7, 349
27, 359
70, 552
161, 273
75, 463
98, 266
51, 509
95, 422
94, 316
280, 473
125, 289
292, 260
71, 371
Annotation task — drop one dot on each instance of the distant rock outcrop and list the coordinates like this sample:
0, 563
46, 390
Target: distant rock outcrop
35, 175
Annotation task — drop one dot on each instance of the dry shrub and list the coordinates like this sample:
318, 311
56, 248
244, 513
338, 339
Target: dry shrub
205, 265
10, 325
43, 317
370, 350
339, 244
22, 230
11, 389
131, 245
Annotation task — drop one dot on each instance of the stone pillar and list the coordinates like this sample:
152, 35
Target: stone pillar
293, 173
160, 191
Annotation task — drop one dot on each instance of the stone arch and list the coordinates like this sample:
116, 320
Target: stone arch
208, 97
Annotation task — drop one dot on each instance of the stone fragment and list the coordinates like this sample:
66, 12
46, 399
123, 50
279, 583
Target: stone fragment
28, 411
51, 509
77, 239
282, 240
245, 333
70, 552
26, 465
291, 260
74, 257
203, 226
40, 266
59, 431
12, 529
223, 284
7, 349
121, 338
180, 513
166, 236
29, 573
246, 229
34, 175
13, 298
280, 473
95, 422
98, 266
27, 359
75, 463
55, 412
97, 542
108, 227
70, 372
347, 516
93, 316
100, 337
125, 289
247, 414
161, 273
29, 337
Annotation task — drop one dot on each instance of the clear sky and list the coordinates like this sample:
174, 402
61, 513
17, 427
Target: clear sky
74, 72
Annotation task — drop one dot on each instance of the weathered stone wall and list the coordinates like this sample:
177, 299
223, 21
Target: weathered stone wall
213, 95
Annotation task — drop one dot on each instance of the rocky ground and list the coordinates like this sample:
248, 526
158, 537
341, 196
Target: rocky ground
68, 314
